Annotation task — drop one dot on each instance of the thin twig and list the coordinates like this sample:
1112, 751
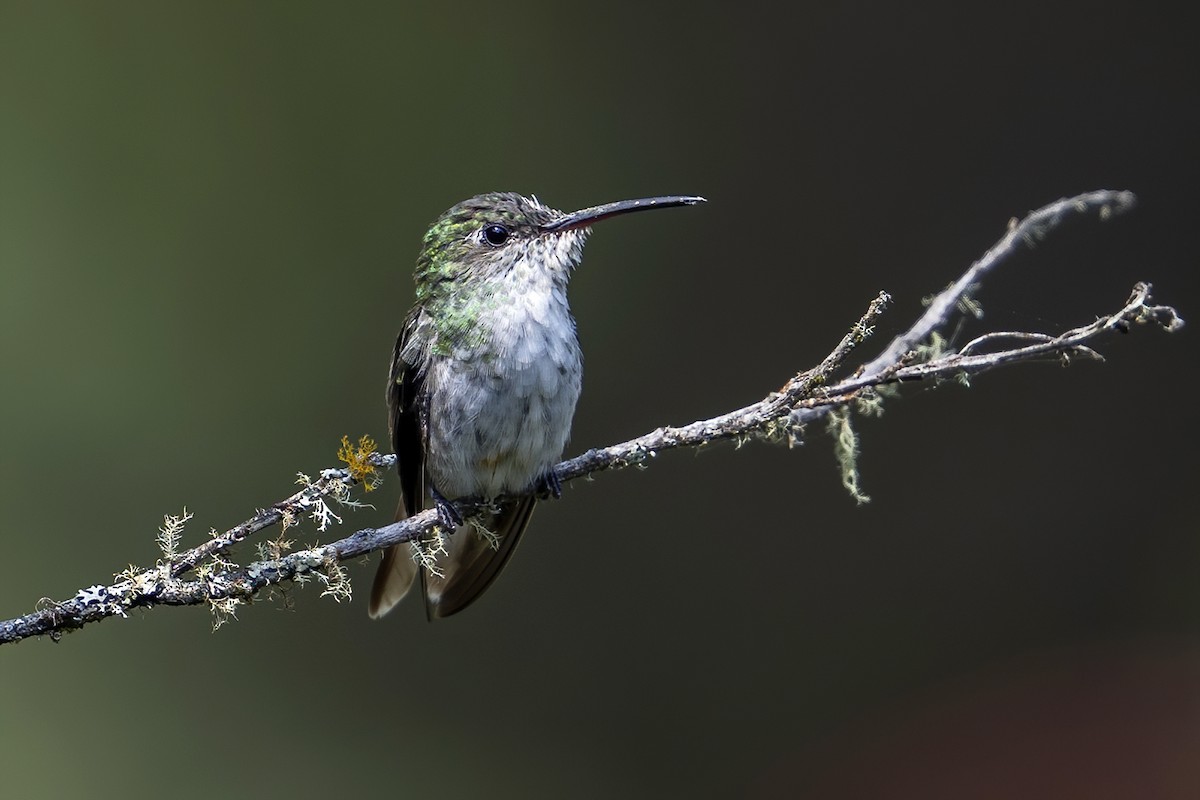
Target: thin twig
780, 416
1028, 231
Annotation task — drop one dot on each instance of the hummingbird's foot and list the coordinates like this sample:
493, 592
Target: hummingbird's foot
448, 516
549, 485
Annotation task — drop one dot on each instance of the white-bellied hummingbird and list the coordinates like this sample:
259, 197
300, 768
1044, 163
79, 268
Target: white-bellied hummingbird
484, 380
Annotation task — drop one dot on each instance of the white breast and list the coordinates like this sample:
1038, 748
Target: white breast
500, 416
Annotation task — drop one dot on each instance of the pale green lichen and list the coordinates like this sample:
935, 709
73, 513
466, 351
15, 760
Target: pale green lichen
845, 447
337, 582
223, 610
426, 552
869, 404
171, 533
935, 348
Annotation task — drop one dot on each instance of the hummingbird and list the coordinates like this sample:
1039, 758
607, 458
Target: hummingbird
485, 376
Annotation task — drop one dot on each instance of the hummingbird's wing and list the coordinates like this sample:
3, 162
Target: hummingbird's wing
404, 420
397, 570
474, 560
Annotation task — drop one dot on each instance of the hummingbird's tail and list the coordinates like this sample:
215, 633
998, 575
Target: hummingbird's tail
468, 569
475, 560
394, 577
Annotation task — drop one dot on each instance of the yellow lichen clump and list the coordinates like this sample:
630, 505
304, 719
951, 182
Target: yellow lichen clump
358, 460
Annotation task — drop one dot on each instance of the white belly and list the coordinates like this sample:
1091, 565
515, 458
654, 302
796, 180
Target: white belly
499, 418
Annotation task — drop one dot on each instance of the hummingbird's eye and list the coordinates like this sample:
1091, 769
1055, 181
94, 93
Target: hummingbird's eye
495, 235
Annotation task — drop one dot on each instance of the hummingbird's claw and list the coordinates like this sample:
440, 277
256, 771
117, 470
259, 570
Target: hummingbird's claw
448, 516
549, 485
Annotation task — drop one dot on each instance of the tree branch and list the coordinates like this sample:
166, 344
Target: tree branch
780, 416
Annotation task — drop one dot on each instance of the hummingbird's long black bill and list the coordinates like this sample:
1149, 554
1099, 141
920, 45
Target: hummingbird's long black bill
590, 216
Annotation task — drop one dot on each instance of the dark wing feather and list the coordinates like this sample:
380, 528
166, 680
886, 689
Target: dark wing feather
404, 420
397, 570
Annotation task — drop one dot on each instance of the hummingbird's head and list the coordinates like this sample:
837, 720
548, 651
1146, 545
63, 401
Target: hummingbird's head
492, 234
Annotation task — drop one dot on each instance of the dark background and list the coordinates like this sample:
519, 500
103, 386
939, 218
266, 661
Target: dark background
208, 218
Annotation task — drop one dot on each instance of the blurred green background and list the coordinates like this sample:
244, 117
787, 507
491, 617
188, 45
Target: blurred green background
208, 217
